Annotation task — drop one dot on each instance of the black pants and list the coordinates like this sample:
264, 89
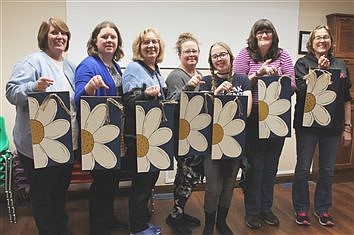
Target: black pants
48, 187
103, 190
140, 191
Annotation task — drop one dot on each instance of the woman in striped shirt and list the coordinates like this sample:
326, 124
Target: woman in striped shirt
262, 57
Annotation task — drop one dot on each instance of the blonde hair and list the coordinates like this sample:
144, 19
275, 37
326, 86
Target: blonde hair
140, 38
185, 37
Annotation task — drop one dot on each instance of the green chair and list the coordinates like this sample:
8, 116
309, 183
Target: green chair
6, 170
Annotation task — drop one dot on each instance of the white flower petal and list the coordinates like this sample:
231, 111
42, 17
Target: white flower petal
216, 153
277, 125
200, 122
279, 107
33, 107
217, 109
158, 157
55, 150
40, 156
56, 129
183, 104
322, 83
87, 162
152, 121
197, 141
96, 118
326, 97
234, 127
194, 107
321, 115
85, 111
140, 117
262, 88
311, 80
143, 164
227, 113
160, 136
48, 114
106, 134
183, 147
104, 156
273, 92
308, 119
264, 131
230, 147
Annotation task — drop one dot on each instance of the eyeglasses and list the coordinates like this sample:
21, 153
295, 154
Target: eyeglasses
190, 52
222, 55
324, 37
147, 42
267, 32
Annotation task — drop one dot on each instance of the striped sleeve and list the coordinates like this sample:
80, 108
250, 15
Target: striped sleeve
241, 64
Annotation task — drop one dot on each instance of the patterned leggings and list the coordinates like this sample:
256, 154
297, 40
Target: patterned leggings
186, 179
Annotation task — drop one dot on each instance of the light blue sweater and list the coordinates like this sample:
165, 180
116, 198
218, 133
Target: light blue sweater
23, 81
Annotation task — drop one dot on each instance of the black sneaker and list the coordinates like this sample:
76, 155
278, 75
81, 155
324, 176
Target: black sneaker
252, 221
191, 220
325, 219
302, 218
269, 218
178, 225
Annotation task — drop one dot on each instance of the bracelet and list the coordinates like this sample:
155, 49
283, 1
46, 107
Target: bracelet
257, 74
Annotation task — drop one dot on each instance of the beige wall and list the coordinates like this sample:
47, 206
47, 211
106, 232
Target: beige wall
20, 22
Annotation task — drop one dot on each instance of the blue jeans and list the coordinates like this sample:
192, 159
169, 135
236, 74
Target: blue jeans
263, 157
306, 142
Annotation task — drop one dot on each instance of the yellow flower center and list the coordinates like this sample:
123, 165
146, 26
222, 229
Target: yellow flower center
310, 102
87, 142
37, 129
184, 128
142, 145
218, 133
263, 110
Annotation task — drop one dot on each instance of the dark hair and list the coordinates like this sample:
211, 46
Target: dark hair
43, 31
252, 41
91, 44
185, 37
211, 65
309, 44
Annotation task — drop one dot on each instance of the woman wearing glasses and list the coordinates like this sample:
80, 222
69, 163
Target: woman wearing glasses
262, 57
320, 49
142, 81
221, 174
184, 78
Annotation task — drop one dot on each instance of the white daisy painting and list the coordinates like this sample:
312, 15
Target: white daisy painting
155, 145
100, 130
274, 103
50, 128
320, 98
194, 123
228, 135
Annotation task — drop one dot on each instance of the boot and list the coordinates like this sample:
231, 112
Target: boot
209, 223
221, 225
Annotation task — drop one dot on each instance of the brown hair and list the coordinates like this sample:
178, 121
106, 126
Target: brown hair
212, 67
91, 44
252, 41
309, 44
182, 38
140, 38
43, 31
